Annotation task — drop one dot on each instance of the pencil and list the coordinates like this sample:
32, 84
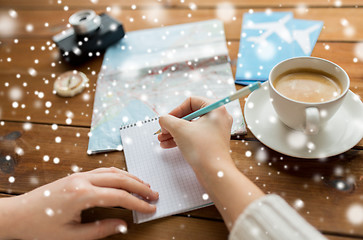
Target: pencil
240, 93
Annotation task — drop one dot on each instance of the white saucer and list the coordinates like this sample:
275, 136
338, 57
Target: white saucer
343, 131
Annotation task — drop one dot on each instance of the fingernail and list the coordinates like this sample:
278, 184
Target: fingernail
146, 183
122, 229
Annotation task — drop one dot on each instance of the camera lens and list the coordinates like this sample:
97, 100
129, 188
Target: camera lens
85, 22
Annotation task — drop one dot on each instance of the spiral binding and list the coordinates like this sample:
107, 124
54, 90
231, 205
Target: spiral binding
142, 122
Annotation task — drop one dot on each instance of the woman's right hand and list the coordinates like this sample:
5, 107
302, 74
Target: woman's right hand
203, 141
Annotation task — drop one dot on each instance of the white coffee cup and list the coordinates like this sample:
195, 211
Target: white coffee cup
305, 116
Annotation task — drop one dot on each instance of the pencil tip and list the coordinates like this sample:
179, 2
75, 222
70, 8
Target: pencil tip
157, 132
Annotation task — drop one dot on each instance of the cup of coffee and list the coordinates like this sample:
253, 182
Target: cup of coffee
307, 91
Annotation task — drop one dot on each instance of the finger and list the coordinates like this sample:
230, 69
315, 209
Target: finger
191, 104
110, 197
163, 137
168, 144
101, 170
121, 181
172, 124
117, 170
100, 229
164, 131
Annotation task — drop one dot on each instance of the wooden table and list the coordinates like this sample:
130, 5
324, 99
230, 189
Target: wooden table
30, 63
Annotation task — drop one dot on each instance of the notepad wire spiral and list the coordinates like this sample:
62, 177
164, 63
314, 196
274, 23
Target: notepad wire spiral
142, 122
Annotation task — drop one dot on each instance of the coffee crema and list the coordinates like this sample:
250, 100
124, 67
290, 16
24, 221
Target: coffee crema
308, 85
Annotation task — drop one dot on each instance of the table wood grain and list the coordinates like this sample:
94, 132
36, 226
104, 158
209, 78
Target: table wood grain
315, 182
156, 17
47, 4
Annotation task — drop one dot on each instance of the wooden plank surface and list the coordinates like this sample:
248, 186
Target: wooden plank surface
180, 227
332, 237
23, 56
317, 184
58, 19
177, 3
291, 178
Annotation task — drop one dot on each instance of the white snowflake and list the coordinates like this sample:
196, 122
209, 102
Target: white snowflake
355, 213
45, 158
46, 193
349, 31
7, 24
358, 51
27, 126
19, 151
75, 168
338, 3
56, 160
13, 13
302, 9
261, 155
192, 6
32, 72
29, 27
122, 229
298, 204
248, 153
205, 196
225, 11
15, 104
11, 179
296, 139
49, 212
15, 93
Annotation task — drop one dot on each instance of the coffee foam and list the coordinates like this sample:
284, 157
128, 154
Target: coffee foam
307, 85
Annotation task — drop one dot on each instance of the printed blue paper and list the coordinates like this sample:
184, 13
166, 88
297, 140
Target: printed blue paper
268, 38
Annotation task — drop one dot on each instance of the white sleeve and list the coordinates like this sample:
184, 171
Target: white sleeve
270, 217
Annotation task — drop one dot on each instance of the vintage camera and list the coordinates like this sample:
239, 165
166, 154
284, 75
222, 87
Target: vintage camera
90, 34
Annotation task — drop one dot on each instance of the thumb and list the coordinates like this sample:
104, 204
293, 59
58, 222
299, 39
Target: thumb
100, 229
171, 124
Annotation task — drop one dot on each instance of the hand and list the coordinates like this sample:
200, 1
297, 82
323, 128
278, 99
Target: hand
54, 210
202, 141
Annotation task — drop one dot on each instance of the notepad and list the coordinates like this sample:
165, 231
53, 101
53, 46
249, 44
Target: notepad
164, 169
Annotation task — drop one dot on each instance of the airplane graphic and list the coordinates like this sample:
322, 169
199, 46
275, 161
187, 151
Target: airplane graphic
271, 27
302, 37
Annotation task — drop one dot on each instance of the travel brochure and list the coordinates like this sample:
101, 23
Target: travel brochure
268, 38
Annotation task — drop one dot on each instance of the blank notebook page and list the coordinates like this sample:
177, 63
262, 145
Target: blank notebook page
164, 169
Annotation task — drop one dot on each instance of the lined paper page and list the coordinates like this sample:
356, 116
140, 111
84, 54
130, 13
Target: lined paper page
164, 169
